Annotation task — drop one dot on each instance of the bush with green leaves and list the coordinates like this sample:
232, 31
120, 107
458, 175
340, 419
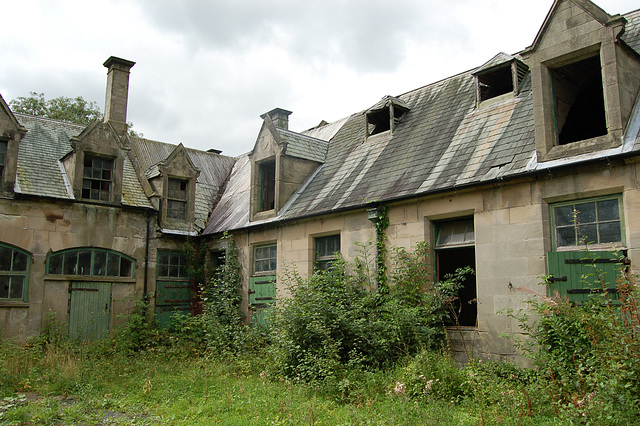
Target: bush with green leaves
589, 352
335, 320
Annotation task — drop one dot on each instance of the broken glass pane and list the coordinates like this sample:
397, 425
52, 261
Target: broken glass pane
16, 288
84, 262
125, 267
4, 286
71, 263
55, 264
100, 263
5, 258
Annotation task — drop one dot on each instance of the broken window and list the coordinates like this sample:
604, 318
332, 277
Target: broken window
3, 160
578, 101
97, 178
267, 185
499, 80
379, 117
455, 248
327, 251
177, 199
14, 273
90, 262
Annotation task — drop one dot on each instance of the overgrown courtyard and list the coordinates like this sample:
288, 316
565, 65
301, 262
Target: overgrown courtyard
346, 348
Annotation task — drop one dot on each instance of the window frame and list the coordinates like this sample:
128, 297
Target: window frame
271, 259
90, 179
68, 254
267, 188
24, 297
181, 265
591, 245
322, 262
172, 199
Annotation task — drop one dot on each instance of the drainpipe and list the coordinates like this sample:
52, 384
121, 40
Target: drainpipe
146, 258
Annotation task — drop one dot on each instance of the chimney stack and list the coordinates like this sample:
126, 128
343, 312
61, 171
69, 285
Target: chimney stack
115, 109
279, 116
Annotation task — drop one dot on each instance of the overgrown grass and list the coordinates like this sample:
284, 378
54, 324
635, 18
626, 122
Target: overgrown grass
73, 384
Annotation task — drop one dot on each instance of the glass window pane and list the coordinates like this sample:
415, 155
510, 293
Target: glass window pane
125, 267
610, 232
588, 234
163, 258
16, 287
55, 264
5, 258
84, 262
173, 271
4, 286
564, 215
19, 262
113, 265
586, 212
608, 210
163, 270
70, 263
100, 263
566, 236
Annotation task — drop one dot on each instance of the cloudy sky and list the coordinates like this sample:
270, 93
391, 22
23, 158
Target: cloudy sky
206, 69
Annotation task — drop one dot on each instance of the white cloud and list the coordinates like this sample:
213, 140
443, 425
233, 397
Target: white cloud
207, 69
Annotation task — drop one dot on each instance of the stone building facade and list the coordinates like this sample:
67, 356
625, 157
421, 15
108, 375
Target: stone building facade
488, 166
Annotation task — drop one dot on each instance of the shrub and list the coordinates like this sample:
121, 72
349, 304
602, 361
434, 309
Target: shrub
589, 353
335, 320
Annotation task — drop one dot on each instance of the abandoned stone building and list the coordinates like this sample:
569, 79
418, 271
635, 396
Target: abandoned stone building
488, 166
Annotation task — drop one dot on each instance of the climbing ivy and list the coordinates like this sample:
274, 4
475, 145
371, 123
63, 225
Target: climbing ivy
381, 225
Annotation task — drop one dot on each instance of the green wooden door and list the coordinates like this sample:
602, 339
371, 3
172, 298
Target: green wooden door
89, 310
262, 296
577, 274
172, 297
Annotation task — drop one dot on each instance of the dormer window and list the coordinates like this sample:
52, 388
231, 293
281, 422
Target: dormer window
502, 75
177, 197
267, 185
385, 115
578, 100
97, 178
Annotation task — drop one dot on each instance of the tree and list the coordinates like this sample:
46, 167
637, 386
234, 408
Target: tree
75, 110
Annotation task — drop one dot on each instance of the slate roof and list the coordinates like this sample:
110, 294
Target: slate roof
303, 146
444, 142
41, 173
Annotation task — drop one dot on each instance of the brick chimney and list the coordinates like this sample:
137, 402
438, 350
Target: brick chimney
279, 116
115, 109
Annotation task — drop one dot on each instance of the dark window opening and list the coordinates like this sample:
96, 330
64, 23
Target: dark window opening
267, 186
327, 250
579, 101
97, 178
3, 160
455, 249
379, 121
177, 199
495, 83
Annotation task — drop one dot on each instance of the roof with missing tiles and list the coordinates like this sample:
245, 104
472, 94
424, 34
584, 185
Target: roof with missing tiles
443, 142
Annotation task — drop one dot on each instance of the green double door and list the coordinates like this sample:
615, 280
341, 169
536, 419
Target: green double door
262, 297
89, 310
